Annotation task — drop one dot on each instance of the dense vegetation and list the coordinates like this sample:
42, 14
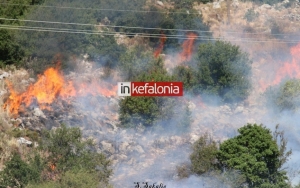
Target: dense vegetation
62, 159
285, 96
253, 158
222, 69
146, 110
256, 153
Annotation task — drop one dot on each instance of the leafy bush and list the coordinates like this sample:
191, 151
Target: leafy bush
188, 4
203, 157
147, 110
18, 173
62, 156
186, 75
16, 132
135, 61
223, 70
251, 15
256, 155
270, 2
67, 151
70, 179
183, 171
286, 96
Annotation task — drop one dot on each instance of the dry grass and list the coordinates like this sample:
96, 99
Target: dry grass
9, 144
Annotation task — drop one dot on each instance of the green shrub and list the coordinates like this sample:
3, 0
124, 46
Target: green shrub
186, 75
203, 157
18, 173
68, 151
251, 15
286, 96
270, 2
147, 110
16, 132
223, 70
256, 155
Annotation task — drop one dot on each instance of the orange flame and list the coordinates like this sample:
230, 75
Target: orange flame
49, 87
160, 48
188, 46
290, 69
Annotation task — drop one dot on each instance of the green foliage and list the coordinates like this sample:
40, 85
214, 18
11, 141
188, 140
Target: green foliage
68, 152
186, 121
251, 15
203, 157
286, 96
17, 173
186, 75
147, 110
183, 171
135, 61
16, 132
70, 179
255, 154
270, 2
10, 49
76, 163
223, 70
188, 4
44, 45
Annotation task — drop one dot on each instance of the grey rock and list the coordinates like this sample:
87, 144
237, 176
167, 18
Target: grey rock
39, 113
160, 3
22, 140
239, 109
4, 75
265, 6
216, 5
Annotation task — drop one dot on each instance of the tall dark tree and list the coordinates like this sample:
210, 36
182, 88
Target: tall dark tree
224, 70
256, 155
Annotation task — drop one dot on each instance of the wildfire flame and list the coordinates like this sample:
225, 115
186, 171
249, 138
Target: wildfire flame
290, 69
49, 87
160, 48
188, 46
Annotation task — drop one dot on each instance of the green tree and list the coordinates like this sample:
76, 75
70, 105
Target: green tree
135, 61
18, 173
286, 96
147, 110
186, 75
203, 157
68, 152
251, 15
256, 155
10, 49
223, 70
